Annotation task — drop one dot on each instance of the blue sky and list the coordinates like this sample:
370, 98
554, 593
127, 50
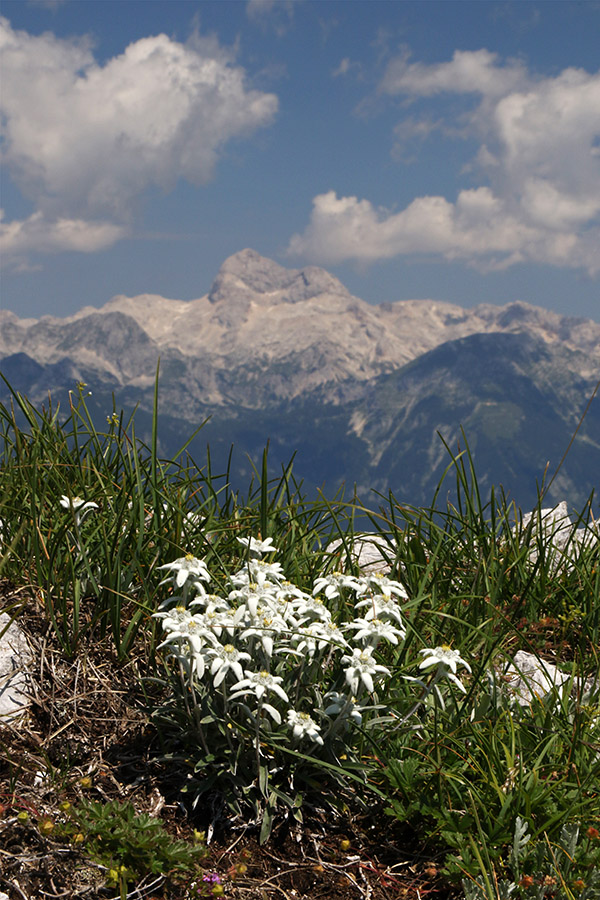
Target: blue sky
437, 150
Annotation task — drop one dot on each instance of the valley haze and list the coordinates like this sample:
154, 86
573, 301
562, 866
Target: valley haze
362, 392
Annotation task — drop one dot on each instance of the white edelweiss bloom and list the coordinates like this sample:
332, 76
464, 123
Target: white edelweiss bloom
372, 630
211, 603
259, 572
181, 623
447, 660
317, 636
259, 683
187, 567
266, 625
361, 668
256, 547
342, 704
303, 726
251, 596
313, 608
78, 507
217, 621
333, 584
381, 584
443, 655
284, 604
187, 633
224, 659
172, 618
379, 606
76, 503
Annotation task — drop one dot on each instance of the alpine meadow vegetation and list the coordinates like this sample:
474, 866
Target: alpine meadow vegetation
278, 681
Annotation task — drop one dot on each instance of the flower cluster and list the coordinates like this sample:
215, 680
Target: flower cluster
267, 642
266, 647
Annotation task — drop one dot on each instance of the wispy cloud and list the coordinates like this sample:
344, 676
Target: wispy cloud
83, 141
539, 161
275, 14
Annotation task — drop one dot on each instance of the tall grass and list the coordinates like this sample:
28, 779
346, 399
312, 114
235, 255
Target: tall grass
508, 790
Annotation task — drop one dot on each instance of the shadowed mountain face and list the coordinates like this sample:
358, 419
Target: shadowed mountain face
361, 392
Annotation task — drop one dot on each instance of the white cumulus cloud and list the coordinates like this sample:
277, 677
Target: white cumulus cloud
83, 140
539, 162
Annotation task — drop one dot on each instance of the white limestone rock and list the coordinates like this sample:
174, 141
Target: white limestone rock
558, 533
15, 657
527, 677
371, 552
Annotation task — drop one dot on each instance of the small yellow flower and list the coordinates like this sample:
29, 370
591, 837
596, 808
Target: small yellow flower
85, 782
22, 816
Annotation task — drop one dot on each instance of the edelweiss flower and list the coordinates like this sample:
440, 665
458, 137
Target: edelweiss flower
303, 726
226, 658
372, 630
379, 606
187, 567
447, 661
381, 584
252, 597
185, 630
258, 683
318, 635
265, 626
78, 507
258, 572
314, 608
76, 503
362, 668
256, 547
333, 584
341, 704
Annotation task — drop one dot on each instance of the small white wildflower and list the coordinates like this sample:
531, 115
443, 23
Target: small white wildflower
76, 503
187, 567
78, 507
317, 636
259, 572
265, 625
313, 608
361, 668
378, 606
341, 704
333, 584
224, 659
256, 548
372, 630
303, 726
381, 584
258, 683
447, 661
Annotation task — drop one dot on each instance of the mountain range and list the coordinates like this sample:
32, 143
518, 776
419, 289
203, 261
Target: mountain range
360, 392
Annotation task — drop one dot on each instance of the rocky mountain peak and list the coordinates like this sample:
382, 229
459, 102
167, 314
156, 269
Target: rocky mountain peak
248, 273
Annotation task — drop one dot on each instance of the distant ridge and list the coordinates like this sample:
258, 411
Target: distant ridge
291, 355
